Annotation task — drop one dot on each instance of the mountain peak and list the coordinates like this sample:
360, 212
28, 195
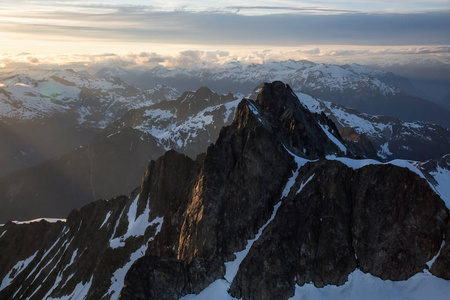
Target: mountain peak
276, 96
304, 133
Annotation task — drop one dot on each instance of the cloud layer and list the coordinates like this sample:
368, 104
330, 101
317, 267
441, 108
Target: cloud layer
74, 32
380, 55
271, 24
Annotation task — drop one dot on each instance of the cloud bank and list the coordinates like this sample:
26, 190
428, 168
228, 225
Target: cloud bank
382, 56
101, 23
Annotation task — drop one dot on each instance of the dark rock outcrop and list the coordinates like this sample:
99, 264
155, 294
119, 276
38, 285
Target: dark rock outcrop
256, 142
21, 241
166, 179
398, 222
168, 279
384, 220
441, 267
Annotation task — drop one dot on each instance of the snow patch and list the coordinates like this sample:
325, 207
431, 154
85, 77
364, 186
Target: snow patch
118, 277
304, 184
442, 177
106, 219
136, 226
365, 286
254, 110
232, 267
72, 259
79, 293
326, 129
300, 162
431, 262
384, 152
49, 220
18, 267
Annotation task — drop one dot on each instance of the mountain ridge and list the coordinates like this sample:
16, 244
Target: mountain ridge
227, 217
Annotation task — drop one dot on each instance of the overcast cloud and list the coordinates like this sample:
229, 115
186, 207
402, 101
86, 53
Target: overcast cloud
317, 29
297, 25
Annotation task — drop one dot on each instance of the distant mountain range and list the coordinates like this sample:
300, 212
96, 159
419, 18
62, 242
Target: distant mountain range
365, 89
44, 114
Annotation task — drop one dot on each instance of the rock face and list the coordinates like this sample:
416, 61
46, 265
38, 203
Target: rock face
332, 218
441, 266
277, 201
156, 278
343, 219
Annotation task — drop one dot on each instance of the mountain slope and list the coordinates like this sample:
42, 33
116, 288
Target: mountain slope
222, 217
106, 167
391, 137
46, 113
189, 124
89, 254
119, 154
277, 202
93, 102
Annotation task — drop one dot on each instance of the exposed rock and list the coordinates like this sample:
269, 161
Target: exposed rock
308, 241
358, 143
20, 242
441, 267
255, 142
398, 221
166, 186
166, 179
343, 219
156, 278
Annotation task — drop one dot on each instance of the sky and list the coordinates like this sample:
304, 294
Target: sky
169, 32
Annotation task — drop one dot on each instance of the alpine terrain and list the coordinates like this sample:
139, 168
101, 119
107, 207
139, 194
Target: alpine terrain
281, 206
365, 89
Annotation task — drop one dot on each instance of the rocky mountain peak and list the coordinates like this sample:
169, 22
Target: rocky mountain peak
272, 205
277, 97
309, 221
306, 134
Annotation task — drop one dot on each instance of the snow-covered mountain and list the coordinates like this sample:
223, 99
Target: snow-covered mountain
365, 89
278, 207
46, 113
118, 154
94, 102
391, 137
176, 125
300, 74
188, 124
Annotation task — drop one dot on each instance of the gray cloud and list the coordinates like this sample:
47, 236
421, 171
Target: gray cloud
33, 60
211, 28
417, 50
290, 9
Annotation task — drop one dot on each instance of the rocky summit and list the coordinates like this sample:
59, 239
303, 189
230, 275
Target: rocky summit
278, 202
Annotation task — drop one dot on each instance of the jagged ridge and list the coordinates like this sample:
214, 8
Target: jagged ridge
261, 180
